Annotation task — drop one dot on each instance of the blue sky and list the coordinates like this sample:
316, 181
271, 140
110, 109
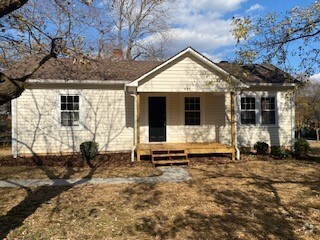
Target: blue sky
205, 24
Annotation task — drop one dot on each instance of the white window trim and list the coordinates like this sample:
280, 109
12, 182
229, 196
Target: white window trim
202, 109
258, 96
269, 110
256, 110
81, 116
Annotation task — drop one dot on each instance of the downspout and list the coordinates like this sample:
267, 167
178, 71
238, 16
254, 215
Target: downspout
135, 127
236, 128
134, 144
292, 119
14, 128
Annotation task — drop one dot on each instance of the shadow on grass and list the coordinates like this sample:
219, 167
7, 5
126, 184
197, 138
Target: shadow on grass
36, 197
255, 211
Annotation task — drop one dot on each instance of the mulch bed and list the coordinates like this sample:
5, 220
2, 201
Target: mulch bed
76, 160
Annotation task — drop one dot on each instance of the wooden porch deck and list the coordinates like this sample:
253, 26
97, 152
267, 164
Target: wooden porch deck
188, 148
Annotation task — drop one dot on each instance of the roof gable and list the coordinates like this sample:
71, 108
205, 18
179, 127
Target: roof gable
188, 51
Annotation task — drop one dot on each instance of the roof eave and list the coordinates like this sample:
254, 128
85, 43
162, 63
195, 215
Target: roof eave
73, 81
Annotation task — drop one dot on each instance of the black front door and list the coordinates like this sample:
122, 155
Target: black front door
157, 119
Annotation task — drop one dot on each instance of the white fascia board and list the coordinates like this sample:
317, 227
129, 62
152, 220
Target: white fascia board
273, 84
60, 81
191, 51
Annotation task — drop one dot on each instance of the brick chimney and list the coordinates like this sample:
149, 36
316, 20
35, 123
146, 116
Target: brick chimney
117, 54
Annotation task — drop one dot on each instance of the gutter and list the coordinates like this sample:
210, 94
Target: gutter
61, 81
274, 84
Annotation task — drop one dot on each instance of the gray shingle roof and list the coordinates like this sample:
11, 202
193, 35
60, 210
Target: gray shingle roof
67, 69
257, 73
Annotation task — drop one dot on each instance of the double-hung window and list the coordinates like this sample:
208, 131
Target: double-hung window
268, 110
192, 110
248, 110
69, 110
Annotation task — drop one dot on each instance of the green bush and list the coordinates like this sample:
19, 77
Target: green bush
245, 150
262, 148
301, 147
278, 152
89, 150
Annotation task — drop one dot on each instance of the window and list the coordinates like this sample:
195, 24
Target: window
248, 110
69, 110
192, 110
268, 110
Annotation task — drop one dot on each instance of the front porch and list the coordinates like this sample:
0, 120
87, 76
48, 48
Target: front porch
168, 153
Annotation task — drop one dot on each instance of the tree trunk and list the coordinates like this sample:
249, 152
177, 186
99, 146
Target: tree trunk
8, 6
317, 132
9, 89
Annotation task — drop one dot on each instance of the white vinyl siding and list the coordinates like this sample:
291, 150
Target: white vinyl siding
106, 117
186, 74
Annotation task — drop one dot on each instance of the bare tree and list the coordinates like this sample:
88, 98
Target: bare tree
308, 107
34, 30
141, 26
278, 37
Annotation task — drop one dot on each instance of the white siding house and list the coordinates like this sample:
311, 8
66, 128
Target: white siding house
186, 99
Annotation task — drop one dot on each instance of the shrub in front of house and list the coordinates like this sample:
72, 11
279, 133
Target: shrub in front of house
301, 147
278, 152
262, 148
89, 150
245, 150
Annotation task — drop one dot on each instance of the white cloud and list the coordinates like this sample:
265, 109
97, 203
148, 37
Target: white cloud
315, 77
201, 24
213, 57
219, 6
255, 7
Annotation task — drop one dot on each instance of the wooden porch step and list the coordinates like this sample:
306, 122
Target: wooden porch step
164, 162
169, 157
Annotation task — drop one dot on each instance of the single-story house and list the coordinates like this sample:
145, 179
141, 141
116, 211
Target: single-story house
185, 103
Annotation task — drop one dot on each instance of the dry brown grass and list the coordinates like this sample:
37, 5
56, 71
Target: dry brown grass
247, 200
5, 151
45, 172
315, 148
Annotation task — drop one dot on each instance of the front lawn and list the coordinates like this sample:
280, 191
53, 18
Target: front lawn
243, 200
73, 166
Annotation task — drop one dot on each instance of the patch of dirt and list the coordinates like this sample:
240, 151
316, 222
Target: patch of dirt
76, 160
5, 152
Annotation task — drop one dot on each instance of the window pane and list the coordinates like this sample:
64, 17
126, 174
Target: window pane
70, 99
192, 103
268, 117
69, 110
248, 103
76, 106
63, 106
248, 117
192, 118
66, 119
267, 103
75, 119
